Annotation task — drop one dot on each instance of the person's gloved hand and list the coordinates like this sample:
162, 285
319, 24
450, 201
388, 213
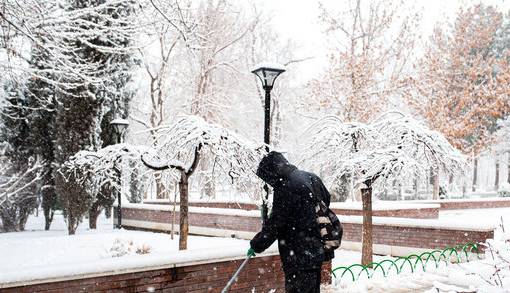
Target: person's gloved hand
250, 252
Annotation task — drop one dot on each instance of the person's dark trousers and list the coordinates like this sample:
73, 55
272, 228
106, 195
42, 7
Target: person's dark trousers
303, 281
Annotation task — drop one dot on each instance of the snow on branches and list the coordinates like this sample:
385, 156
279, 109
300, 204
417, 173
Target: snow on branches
17, 196
60, 31
394, 146
184, 143
94, 170
191, 137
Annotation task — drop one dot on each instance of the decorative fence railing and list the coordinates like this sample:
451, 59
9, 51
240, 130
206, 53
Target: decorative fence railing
456, 254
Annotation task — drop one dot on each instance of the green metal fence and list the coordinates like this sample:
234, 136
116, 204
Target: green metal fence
456, 254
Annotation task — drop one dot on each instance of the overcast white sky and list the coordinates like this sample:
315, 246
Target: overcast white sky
298, 20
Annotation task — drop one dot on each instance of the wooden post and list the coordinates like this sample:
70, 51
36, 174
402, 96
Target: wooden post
160, 188
366, 251
172, 232
183, 212
508, 168
475, 174
496, 179
435, 181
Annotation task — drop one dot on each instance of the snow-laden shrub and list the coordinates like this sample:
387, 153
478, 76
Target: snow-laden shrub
504, 190
122, 247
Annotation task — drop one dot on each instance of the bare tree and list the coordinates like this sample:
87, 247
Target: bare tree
372, 46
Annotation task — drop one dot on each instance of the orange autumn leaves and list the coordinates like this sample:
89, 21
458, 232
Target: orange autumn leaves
463, 83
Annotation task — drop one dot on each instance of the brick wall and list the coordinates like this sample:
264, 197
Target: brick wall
226, 222
393, 235
452, 204
419, 237
261, 273
418, 213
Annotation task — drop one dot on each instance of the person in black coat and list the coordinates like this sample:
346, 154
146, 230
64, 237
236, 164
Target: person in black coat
293, 222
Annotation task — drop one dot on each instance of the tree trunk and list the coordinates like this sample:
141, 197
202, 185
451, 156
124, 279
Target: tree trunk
172, 232
8, 222
183, 212
415, 187
435, 182
49, 200
496, 179
366, 251
475, 174
160, 188
94, 212
23, 218
72, 224
508, 168
48, 218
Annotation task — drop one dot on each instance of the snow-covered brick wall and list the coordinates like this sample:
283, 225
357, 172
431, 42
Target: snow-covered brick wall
399, 232
262, 274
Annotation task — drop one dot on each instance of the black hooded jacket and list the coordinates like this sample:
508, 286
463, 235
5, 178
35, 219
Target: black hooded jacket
293, 220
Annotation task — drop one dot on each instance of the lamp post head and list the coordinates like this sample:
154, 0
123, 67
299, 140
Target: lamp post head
267, 73
119, 125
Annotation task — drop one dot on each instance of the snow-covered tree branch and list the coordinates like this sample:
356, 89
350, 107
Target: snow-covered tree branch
17, 196
392, 147
97, 176
190, 138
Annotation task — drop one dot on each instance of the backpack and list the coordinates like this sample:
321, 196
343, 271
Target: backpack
330, 228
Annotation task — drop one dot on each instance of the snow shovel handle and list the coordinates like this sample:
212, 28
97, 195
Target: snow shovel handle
234, 277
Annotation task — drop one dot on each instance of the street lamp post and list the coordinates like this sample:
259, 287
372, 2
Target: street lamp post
267, 73
120, 126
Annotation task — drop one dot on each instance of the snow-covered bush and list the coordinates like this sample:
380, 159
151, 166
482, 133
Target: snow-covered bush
96, 179
17, 193
121, 247
504, 189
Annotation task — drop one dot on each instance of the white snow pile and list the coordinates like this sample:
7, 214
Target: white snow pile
490, 274
504, 189
123, 247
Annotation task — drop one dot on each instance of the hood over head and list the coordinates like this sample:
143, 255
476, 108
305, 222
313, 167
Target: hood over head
273, 168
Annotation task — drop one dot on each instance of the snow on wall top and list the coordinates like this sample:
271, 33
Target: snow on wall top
107, 267
446, 224
198, 210
384, 206
377, 206
465, 200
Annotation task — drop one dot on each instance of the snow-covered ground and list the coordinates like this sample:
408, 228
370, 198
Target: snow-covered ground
491, 274
48, 253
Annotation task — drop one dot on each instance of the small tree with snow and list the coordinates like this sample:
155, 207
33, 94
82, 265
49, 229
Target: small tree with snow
17, 192
190, 138
393, 147
96, 177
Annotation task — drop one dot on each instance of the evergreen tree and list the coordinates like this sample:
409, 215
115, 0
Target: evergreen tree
41, 101
86, 109
14, 132
116, 97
